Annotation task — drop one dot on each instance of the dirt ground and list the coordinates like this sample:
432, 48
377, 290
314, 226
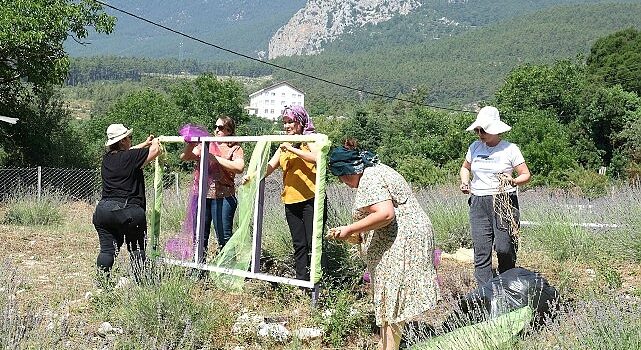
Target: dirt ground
57, 262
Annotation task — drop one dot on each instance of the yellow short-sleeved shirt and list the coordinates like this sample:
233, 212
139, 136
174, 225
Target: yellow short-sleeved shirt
299, 177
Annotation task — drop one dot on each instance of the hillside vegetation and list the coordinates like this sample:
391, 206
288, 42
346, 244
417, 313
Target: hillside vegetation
244, 25
466, 68
454, 70
247, 26
437, 20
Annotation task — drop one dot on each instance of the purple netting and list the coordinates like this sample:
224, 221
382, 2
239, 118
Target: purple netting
188, 131
181, 246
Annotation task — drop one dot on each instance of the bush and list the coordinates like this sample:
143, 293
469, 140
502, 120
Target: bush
24, 325
173, 209
28, 210
167, 312
607, 323
451, 227
342, 320
591, 184
563, 242
450, 218
421, 171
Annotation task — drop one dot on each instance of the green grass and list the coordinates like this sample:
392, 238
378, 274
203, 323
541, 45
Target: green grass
172, 310
29, 210
167, 311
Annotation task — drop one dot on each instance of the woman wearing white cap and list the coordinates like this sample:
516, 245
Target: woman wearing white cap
120, 214
492, 163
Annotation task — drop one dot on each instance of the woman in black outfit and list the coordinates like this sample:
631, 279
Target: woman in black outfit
120, 214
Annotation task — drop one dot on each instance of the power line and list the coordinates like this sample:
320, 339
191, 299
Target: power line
276, 65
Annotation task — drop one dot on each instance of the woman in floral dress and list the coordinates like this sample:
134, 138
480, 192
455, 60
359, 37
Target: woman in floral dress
396, 240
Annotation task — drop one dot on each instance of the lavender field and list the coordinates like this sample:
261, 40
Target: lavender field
49, 297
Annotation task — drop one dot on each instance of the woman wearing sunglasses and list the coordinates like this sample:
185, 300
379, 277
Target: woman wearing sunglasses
494, 206
227, 160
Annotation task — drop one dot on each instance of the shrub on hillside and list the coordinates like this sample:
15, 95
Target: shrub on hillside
591, 184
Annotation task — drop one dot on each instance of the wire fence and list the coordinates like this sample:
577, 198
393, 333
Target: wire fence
73, 184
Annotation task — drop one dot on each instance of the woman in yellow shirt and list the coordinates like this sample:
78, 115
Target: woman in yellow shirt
298, 163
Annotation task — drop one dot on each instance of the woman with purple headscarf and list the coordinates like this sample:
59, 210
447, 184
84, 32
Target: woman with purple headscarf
298, 162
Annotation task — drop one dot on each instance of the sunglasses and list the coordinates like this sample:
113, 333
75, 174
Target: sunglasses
480, 131
220, 127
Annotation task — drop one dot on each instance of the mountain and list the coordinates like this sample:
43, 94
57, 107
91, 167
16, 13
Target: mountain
464, 68
321, 21
457, 51
241, 25
273, 28
343, 25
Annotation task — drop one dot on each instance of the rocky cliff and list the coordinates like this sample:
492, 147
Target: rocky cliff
322, 21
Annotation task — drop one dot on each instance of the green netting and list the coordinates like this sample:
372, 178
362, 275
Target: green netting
237, 252
497, 333
316, 271
155, 213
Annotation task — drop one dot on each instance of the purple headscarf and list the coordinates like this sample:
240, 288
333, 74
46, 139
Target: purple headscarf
299, 114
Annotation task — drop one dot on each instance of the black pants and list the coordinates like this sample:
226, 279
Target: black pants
115, 226
489, 231
300, 219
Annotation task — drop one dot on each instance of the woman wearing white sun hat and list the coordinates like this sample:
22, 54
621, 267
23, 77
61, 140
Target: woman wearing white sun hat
120, 214
492, 162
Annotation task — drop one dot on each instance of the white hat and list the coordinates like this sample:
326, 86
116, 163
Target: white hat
116, 132
488, 119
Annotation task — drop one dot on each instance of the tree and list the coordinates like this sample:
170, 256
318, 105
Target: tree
32, 33
205, 99
607, 111
32, 60
557, 88
545, 144
146, 112
615, 59
47, 138
561, 98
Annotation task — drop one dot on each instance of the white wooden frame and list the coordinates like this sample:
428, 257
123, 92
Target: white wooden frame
258, 212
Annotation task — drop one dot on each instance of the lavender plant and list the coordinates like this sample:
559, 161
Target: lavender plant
27, 209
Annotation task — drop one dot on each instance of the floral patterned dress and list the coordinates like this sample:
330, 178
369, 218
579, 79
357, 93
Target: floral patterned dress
399, 256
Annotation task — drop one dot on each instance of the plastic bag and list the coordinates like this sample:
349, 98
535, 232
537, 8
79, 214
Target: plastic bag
507, 292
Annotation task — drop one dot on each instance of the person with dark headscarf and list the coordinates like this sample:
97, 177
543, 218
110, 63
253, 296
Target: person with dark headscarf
395, 236
298, 162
